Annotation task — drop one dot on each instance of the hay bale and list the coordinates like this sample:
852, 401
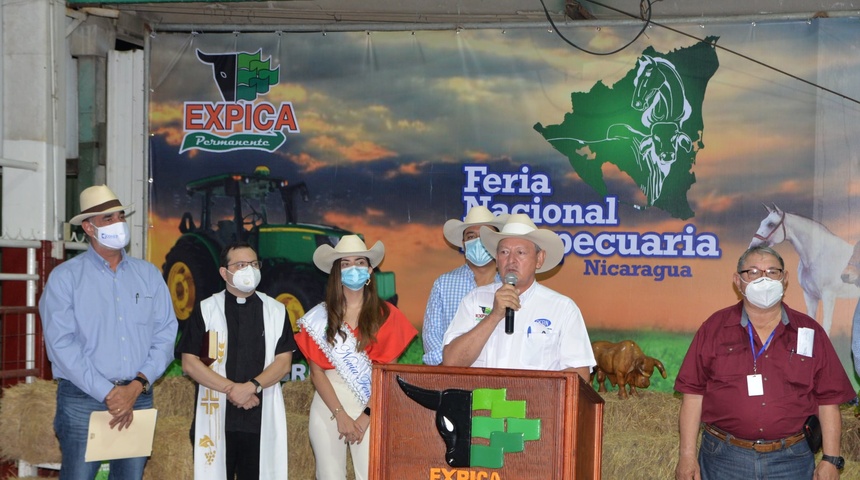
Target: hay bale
298, 396
171, 450
640, 434
302, 464
640, 437
850, 435
174, 396
27, 422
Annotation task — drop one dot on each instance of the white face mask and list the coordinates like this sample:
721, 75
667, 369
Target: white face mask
114, 236
764, 292
246, 279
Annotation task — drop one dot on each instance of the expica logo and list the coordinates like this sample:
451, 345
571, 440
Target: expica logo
239, 121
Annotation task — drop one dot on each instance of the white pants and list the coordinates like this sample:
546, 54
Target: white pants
329, 451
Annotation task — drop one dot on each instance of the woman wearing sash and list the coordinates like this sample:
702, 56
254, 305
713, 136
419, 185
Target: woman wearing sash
341, 338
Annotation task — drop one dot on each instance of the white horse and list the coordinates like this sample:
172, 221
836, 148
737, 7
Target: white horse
823, 255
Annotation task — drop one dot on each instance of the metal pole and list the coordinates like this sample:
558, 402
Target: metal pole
32, 269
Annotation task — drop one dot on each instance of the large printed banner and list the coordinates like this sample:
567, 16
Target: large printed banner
657, 166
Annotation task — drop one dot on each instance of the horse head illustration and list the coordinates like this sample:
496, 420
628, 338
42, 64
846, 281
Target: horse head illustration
658, 92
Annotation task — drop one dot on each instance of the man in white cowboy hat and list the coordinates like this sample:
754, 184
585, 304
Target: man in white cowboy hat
450, 288
245, 437
549, 332
109, 330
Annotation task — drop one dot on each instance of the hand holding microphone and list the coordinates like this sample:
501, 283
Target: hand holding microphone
510, 279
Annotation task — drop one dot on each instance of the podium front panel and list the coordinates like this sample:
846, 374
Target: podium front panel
406, 444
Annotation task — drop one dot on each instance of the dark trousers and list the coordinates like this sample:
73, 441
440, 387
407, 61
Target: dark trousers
243, 455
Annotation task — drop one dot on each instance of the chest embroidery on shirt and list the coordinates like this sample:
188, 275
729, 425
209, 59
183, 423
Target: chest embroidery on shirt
540, 326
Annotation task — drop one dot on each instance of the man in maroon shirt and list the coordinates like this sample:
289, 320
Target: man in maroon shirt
753, 374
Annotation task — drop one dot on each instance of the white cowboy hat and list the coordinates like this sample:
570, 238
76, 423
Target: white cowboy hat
478, 215
98, 200
520, 225
348, 246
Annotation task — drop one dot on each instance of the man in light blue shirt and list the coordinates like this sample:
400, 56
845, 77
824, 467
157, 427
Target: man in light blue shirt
109, 330
451, 287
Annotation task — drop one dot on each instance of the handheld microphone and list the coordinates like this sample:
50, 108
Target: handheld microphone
510, 279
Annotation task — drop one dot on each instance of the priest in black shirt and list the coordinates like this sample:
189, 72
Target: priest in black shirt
240, 427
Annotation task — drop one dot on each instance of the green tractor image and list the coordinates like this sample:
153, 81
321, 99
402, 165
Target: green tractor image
246, 204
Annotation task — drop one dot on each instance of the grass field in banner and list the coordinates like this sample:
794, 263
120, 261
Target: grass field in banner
669, 348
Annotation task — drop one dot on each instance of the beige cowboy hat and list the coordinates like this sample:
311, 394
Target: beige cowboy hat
478, 215
98, 200
348, 246
520, 225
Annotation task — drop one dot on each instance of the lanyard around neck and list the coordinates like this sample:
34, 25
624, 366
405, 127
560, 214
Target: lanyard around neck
752, 344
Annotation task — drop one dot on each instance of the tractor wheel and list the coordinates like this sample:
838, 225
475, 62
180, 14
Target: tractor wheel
191, 275
298, 289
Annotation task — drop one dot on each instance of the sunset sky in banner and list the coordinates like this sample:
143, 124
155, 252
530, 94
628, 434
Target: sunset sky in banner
388, 119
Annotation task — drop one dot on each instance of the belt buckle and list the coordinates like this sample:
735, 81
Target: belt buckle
766, 446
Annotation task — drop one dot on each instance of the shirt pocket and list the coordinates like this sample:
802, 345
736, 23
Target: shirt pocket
142, 306
731, 363
799, 372
538, 345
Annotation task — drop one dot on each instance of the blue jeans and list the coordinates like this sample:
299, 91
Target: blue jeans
71, 423
719, 460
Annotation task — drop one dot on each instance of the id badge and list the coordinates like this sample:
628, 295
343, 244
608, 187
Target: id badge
755, 387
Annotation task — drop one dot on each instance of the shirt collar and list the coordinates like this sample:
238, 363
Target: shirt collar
99, 260
232, 298
745, 319
529, 292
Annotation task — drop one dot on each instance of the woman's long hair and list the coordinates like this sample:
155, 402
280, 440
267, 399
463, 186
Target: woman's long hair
374, 311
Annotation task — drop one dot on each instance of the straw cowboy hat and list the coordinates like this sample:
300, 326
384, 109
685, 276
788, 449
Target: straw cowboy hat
98, 200
520, 225
478, 215
348, 246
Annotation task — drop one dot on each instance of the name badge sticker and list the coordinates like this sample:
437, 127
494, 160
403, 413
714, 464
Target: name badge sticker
755, 387
805, 339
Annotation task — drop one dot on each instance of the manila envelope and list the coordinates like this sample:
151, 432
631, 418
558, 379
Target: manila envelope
105, 443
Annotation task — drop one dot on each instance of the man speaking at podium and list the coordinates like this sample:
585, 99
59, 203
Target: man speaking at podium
518, 323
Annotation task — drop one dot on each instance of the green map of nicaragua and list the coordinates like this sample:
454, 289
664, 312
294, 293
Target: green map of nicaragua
648, 124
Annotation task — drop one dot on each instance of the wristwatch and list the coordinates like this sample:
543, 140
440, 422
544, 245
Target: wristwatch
144, 382
839, 462
257, 384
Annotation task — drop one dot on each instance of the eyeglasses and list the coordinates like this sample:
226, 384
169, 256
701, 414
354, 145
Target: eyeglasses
241, 265
754, 273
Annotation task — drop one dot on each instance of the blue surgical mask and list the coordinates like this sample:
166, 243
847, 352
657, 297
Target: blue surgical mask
476, 253
355, 277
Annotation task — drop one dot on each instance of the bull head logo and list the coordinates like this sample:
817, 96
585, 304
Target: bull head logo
507, 427
453, 409
241, 75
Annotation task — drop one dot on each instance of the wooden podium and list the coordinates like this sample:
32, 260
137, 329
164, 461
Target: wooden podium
405, 442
